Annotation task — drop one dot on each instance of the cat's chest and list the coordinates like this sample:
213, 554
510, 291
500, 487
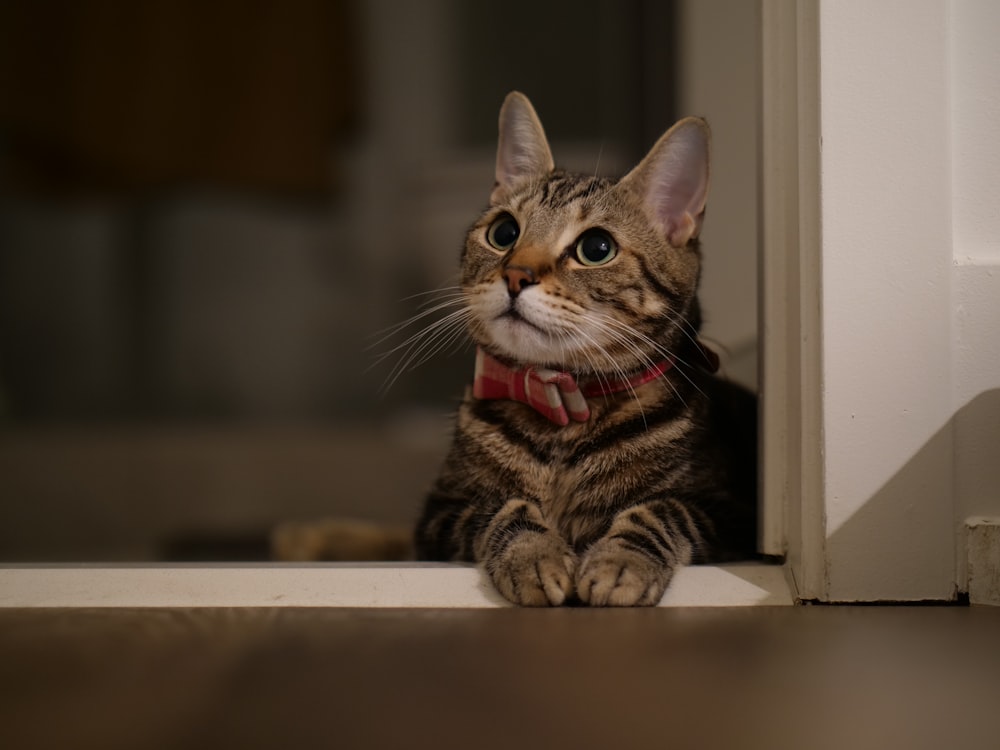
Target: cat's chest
583, 472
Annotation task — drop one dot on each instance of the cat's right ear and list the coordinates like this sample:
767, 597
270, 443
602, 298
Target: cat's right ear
673, 180
523, 151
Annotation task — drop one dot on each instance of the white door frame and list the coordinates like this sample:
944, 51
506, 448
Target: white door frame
790, 280
857, 297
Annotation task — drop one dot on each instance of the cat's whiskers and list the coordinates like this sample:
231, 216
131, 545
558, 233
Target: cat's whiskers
684, 326
630, 339
601, 373
677, 359
451, 288
623, 376
681, 323
597, 166
426, 344
622, 334
429, 330
453, 299
438, 334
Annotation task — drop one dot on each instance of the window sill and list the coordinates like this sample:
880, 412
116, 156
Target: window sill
338, 585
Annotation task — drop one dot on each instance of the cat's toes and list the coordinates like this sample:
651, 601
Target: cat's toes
613, 577
534, 571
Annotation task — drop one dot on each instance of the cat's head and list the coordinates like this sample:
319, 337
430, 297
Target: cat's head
583, 273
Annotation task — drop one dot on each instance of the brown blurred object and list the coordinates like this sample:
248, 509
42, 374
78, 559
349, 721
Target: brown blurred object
128, 96
341, 540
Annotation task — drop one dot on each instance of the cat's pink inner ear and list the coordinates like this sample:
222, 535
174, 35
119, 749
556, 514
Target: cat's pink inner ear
674, 179
523, 151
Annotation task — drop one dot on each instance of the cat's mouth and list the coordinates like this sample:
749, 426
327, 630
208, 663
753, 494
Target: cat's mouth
524, 329
511, 316
519, 337
511, 313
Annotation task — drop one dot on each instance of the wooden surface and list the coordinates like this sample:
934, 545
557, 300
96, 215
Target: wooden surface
775, 677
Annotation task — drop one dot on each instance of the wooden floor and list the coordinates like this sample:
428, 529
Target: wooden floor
776, 677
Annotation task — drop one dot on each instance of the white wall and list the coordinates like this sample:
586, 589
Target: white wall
887, 303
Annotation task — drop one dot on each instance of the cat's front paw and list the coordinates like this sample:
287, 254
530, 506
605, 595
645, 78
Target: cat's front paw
611, 575
534, 570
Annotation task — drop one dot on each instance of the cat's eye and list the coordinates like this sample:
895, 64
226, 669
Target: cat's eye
595, 248
503, 232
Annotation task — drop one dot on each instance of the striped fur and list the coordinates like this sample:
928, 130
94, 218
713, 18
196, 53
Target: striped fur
662, 475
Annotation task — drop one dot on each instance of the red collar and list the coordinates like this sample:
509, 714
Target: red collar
600, 386
552, 393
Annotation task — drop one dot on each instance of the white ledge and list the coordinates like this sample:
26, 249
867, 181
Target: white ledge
338, 585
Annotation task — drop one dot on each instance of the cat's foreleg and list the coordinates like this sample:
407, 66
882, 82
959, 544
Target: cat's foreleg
529, 563
632, 564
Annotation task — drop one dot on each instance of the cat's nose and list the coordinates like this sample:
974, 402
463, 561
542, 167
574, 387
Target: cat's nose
518, 277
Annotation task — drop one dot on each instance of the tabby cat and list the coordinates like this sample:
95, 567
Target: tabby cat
596, 452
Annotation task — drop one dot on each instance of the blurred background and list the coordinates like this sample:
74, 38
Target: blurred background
208, 211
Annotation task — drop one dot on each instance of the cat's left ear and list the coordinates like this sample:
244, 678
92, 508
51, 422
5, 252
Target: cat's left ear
673, 180
523, 151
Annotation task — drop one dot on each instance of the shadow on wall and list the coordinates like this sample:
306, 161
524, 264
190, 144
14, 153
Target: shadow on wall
901, 544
